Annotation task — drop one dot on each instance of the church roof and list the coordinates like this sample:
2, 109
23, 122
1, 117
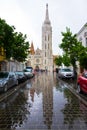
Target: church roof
32, 51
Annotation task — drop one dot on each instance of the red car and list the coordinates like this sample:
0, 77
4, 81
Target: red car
82, 83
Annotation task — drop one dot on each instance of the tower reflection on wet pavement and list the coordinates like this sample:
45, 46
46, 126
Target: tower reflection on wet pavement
43, 102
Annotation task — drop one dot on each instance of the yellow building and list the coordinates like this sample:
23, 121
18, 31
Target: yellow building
2, 54
2, 57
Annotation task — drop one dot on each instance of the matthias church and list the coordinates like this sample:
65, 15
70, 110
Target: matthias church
43, 59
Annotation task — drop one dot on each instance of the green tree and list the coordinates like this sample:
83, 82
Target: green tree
66, 60
6, 37
21, 47
14, 43
71, 46
83, 58
58, 60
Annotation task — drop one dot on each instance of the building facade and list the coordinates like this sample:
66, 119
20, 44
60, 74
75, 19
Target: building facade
82, 35
43, 59
47, 43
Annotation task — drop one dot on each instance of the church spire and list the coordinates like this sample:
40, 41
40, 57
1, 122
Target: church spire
47, 14
32, 49
47, 21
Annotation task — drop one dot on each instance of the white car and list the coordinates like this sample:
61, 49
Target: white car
65, 73
28, 73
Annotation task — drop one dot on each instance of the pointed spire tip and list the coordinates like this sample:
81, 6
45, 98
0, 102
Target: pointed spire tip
47, 5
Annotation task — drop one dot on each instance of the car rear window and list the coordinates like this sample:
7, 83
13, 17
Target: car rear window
27, 70
29, 67
85, 75
3, 74
66, 70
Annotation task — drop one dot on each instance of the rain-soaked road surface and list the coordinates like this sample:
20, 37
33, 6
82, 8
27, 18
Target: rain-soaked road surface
43, 103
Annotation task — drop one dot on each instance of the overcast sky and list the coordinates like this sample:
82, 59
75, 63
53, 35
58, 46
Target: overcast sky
28, 16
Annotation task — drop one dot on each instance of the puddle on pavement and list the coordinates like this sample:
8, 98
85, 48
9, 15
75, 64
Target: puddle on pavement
43, 103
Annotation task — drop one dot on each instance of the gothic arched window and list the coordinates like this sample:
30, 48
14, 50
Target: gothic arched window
45, 54
45, 46
45, 38
48, 37
48, 45
86, 41
85, 34
80, 39
45, 61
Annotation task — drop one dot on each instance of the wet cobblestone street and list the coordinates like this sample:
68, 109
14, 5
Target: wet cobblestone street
43, 102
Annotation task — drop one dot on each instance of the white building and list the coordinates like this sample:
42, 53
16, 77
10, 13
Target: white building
43, 59
82, 35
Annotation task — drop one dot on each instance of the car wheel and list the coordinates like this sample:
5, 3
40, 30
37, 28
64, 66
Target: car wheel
79, 88
5, 88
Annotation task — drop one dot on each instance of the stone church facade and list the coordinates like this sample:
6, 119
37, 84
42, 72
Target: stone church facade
43, 59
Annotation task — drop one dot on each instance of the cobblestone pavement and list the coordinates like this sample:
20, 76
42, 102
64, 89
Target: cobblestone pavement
43, 103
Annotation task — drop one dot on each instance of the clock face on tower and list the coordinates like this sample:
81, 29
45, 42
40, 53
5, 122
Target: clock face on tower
37, 60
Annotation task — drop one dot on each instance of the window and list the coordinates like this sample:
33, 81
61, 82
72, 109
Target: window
45, 54
45, 46
48, 45
80, 39
45, 61
48, 37
84, 75
85, 34
45, 38
86, 41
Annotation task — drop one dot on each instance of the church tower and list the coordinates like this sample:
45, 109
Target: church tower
47, 43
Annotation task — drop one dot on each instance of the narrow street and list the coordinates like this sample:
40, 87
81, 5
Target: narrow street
43, 102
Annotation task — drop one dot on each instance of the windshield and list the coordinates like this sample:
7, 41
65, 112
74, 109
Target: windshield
28, 67
3, 74
19, 73
66, 70
27, 70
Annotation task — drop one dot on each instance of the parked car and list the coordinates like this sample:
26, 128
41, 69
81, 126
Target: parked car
28, 73
31, 68
82, 83
65, 73
20, 76
7, 80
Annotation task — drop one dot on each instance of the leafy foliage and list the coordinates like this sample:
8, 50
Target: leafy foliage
72, 47
14, 44
66, 60
6, 37
58, 60
20, 50
83, 58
